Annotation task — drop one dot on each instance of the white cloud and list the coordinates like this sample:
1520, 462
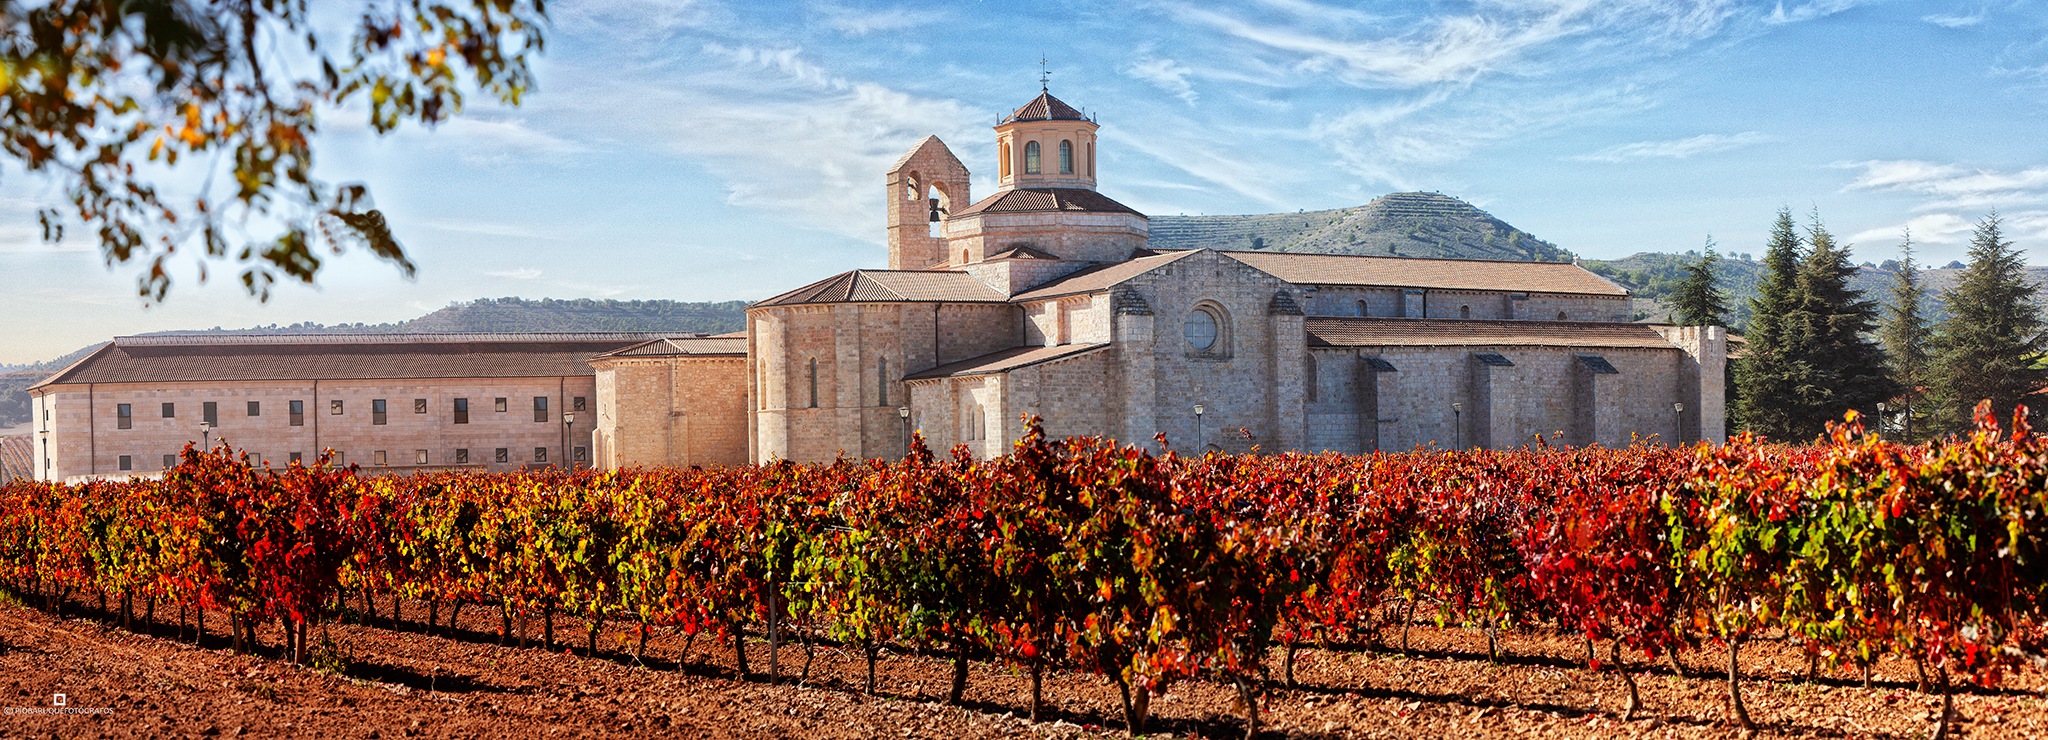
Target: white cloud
1809, 11
1955, 21
855, 22
482, 228
1676, 148
1948, 186
1933, 228
1164, 74
517, 273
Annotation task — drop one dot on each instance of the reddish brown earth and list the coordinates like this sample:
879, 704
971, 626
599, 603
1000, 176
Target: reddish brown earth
403, 684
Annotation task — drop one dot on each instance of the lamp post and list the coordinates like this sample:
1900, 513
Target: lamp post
1458, 423
903, 412
1677, 423
1201, 442
1881, 408
205, 435
569, 441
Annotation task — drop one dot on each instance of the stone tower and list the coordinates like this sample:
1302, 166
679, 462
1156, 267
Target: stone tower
925, 185
1046, 144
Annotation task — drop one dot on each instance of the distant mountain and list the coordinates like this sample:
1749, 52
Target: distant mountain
1399, 224
1653, 275
495, 315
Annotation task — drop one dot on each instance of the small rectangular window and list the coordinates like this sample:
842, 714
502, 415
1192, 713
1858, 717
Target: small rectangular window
540, 408
461, 456
340, 459
503, 455
334, 407
255, 409
500, 405
296, 459
170, 411
540, 454
419, 457
170, 461
378, 457
209, 412
298, 413
419, 405
377, 412
124, 417
582, 455
254, 459
462, 411
577, 405
127, 463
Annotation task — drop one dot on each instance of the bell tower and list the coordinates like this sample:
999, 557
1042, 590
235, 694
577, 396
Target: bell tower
925, 186
1046, 144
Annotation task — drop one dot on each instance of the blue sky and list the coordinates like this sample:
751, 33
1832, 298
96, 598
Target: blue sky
716, 150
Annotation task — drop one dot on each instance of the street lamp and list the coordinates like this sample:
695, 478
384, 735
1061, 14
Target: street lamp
1677, 423
205, 435
568, 450
1458, 422
1201, 442
1880, 419
903, 412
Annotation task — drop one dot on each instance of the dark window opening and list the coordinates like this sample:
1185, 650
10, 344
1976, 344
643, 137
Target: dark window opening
462, 411
334, 407
577, 404
170, 411
500, 405
419, 405
503, 455
540, 408
209, 412
255, 408
377, 411
461, 456
127, 463
124, 417
540, 454
298, 413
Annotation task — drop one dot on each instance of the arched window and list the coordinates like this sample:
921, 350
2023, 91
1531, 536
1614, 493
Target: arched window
963, 256
1560, 316
1031, 157
1066, 157
1091, 159
1312, 381
1005, 159
881, 381
814, 382
1200, 329
910, 187
1464, 312
1361, 309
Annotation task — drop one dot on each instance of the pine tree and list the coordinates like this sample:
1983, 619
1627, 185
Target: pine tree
1837, 366
1986, 348
1765, 377
1905, 343
1696, 302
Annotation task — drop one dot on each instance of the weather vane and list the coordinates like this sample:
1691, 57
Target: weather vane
1044, 75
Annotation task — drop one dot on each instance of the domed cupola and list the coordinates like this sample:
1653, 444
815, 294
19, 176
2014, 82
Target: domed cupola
1046, 144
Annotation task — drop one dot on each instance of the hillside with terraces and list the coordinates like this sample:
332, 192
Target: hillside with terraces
1399, 224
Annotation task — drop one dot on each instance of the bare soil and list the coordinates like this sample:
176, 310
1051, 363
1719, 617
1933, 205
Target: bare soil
403, 683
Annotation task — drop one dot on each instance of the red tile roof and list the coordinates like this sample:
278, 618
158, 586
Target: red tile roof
1045, 107
1021, 253
354, 357
1006, 360
1099, 278
1027, 200
1341, 331
1435, 274
923, 144
890, 286
721, 345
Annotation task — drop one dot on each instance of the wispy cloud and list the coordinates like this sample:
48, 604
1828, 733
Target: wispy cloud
478, 227
1955, 21
1677, 148
516, 273
1164, 74
1809, 11
1933, 228
858, 22
1949, 186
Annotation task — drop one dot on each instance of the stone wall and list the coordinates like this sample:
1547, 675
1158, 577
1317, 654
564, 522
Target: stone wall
1086, 236
85, 438
671, 411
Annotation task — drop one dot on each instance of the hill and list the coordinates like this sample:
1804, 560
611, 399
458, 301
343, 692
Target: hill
1398, 224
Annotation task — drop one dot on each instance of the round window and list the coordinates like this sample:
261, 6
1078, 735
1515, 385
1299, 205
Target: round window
1200, 329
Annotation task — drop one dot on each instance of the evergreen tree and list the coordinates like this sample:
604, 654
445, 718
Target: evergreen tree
1765, 376
1986, 348
1696, 302
1905, 343
1837, 366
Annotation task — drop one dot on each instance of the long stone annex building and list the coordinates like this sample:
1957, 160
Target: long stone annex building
1042, 299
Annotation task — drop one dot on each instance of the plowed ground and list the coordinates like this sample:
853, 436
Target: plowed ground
402, 683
